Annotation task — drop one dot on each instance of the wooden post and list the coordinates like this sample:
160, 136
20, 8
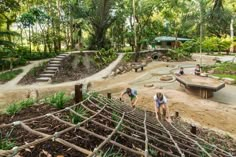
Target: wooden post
193, 129
176, 114
78, 93
109, 95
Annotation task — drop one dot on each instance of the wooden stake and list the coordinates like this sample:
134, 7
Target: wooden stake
78, 93
176, 114
193, 129
109, 95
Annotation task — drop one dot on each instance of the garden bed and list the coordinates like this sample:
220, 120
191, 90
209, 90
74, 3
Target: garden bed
130, 134
79, 66
33, 74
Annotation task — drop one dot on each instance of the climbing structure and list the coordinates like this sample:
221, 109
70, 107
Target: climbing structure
99, 126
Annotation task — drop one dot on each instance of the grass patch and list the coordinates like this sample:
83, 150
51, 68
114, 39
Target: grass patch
16, 107
7, 76
58, 100
225, 75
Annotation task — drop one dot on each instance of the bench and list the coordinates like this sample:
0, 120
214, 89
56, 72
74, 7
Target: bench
136, 67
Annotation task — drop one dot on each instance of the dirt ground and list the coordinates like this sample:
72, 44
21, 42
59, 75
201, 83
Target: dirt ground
218, 116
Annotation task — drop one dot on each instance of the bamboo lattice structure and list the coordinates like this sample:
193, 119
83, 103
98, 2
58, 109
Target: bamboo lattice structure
134, 125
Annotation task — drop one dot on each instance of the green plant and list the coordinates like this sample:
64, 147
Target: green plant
26, 103
152, 152
5, 143
12, 109
115, 117
16, 107
128, 57
7, 76
58, 100
75, 119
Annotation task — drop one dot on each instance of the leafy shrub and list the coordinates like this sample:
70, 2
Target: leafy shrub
75, 119
16, 107
128, 57
26, 103
5, 142
104, 57
58, 100
24, 52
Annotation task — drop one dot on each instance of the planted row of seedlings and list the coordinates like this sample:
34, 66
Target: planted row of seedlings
98, 126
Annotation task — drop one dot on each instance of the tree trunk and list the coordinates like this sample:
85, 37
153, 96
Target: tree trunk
232, 35
30, 38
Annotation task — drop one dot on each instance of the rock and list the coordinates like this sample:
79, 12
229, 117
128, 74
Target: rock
118, 71
112, 73
148, 85
214, 77
121, 68
164, 57
166, 78
229, 80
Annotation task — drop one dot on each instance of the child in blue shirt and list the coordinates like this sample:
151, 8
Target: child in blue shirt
132, 93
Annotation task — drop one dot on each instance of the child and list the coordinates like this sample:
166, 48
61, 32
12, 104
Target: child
197, 70
181, 71
132, 93
160, 101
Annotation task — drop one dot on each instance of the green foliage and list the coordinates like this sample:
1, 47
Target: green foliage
223, 67
26, 103
7, 76
58, 100
16, 107
5, 142
75, 119
12, 109
209, 44
104, 57
24, 52
128, 57
225, 76
152, 152
115, 117
178, 54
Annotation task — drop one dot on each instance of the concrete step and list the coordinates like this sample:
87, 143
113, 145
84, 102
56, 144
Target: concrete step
49, 71
54, 62
57, 59
52, 68
61, 57
64, 54
43, 79
46, 75
54, 65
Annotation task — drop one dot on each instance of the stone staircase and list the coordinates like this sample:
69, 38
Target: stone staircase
52, 68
